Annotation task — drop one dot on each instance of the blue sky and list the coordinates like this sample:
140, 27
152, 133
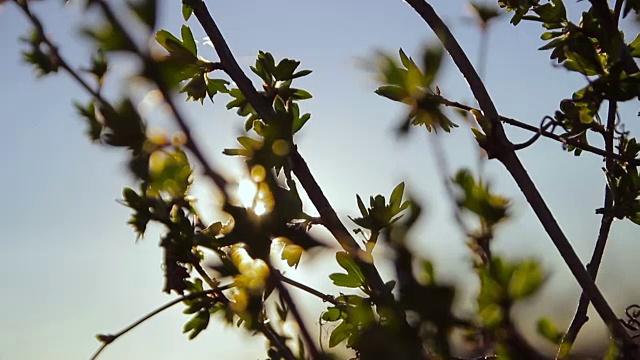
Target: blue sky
70, 264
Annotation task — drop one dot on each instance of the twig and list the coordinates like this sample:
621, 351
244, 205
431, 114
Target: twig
108, 339
270, 334
502, 149
310, 290
313, 350
544, 133
580, 318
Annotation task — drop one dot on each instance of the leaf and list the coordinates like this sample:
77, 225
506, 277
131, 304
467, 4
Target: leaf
396, 197
332, 314
347, 263
188, 41
186, 11
340, 334
549, 331
392, 92
299, 94
345, 280
634, 47
526, 279
298, 123
299, 74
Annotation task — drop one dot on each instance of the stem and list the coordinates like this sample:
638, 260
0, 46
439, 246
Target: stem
502, 149
108, 339
310, 290
581, 318
296, 314
547, 134
270, 334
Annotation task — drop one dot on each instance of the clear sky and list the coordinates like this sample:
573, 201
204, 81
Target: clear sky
70, 265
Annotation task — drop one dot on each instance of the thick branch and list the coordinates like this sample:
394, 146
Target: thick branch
503, 150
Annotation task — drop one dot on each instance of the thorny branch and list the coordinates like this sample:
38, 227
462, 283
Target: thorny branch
502, 149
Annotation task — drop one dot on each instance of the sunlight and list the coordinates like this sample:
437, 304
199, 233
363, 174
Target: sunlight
255, 196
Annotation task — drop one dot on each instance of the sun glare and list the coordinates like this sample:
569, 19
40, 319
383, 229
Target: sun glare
247, 191
256, 197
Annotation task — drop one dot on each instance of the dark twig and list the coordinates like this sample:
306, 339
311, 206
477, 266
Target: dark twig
502, 149
108, 339
544, 133
313, 350
310, 290
270, 334
581, 318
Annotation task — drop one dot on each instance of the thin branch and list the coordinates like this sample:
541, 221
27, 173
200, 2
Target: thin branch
580, 318
313, 350
544, 133
502, 149
270, 334
310, 290
108, 339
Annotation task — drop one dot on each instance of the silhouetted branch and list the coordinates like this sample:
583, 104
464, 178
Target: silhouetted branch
581, 318
541, 131
310, 290
501, 148
108, 339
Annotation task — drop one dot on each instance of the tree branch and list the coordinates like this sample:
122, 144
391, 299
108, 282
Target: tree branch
567, 141
502, 149
108, 339
580, 318
310, 290
313, 350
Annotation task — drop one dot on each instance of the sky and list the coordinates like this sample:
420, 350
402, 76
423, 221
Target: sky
72, 267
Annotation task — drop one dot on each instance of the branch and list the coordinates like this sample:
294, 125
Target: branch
209, 171
581, 318
544, 133
108, 339
328, 215
502, 149
296, 315
310, 290
270, 334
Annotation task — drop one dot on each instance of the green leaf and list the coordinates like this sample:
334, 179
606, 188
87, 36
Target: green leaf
299, 94
392, 92
299, 74
396, 197
340, 334
549, 331
284, 70
526, 279
332, 314
298, 123
186, 11
634, 47
188, 41
345, 280
347, 263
